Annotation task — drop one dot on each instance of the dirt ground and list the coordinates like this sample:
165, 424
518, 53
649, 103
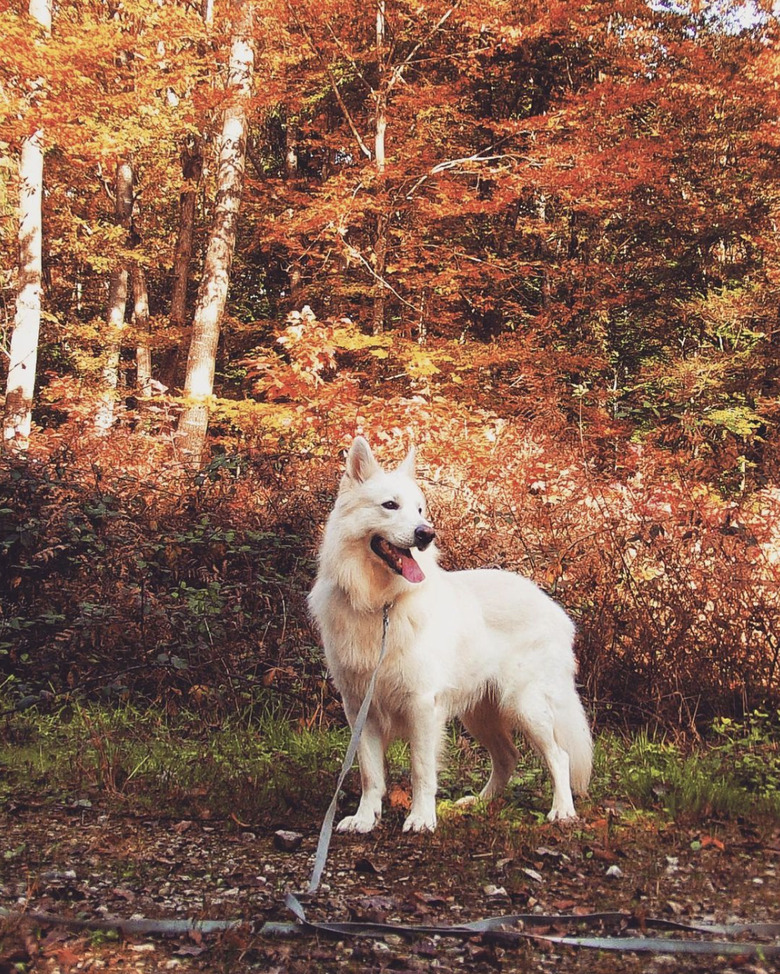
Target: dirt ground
82, 859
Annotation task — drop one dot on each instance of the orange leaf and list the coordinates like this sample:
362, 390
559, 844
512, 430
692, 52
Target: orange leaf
399, 797
710, 840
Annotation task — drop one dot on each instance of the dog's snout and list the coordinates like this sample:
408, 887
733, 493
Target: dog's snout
423, 536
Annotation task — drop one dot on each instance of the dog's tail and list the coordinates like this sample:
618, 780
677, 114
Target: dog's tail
572, 732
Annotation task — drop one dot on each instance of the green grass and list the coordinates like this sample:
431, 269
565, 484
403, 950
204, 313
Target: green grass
246, 766
736, 772
262, 763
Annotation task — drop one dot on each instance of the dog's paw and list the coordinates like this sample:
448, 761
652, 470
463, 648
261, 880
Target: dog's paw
563, 816
357, 823
468, 801
416, 822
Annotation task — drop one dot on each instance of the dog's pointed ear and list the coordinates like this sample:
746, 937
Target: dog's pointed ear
407, 466
361, 462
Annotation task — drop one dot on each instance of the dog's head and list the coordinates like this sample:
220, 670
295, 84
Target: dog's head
386, 510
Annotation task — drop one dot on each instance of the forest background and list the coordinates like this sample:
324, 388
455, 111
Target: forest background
539, 241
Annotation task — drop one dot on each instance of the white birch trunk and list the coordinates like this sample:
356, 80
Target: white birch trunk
23, 351
212, 295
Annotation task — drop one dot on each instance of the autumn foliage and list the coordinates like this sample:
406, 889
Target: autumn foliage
538, 240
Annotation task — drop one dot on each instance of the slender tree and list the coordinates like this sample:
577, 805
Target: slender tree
27, 321
379, 80
191, 170
382, 223
212, 295
117, 297
192, 167
143, 352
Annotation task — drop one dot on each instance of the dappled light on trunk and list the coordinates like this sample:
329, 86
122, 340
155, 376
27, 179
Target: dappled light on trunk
212, 296
23, 348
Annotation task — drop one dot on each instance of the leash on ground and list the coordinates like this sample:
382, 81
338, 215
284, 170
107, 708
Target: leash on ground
498, 929
515, 928
509, 930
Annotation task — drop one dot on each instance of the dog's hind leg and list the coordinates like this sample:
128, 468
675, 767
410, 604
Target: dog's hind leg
536, 718
487, 725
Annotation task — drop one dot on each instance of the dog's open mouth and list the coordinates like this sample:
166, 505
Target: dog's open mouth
399, 559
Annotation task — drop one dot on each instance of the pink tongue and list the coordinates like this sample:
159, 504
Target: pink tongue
410, 570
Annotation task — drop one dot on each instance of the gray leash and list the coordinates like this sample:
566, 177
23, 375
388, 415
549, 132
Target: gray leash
326, 830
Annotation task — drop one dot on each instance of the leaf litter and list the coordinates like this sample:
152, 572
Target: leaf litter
93, 862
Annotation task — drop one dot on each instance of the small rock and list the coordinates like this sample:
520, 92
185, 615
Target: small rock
364, 865
615, 872
494, 891
287, 841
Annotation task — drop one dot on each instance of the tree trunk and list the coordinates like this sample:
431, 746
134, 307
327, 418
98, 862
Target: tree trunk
382, 87
291, 161
382, 222
23, 352
192, 171
380, 267
212, 295
117, 304
117, 299
192, 168
143, 353
388, 76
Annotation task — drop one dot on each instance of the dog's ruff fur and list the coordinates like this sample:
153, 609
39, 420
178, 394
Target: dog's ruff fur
487, 646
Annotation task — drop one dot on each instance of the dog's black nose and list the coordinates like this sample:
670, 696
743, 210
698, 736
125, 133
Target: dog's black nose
423, 536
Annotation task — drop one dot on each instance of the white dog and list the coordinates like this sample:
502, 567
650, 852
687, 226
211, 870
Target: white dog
487, 646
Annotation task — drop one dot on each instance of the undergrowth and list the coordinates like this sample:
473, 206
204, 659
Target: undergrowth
263, 766
143, 582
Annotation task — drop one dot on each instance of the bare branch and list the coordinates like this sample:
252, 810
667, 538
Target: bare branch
331, 78
354, 252
476, 158
349, 58
399, 69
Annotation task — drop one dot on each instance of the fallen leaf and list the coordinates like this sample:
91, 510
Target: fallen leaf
710, 840
564, 904
400, 798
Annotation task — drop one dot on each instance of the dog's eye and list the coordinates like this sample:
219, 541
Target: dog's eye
391, 505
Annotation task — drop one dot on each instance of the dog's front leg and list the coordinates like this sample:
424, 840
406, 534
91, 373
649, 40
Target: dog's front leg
371, 759
425, 738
